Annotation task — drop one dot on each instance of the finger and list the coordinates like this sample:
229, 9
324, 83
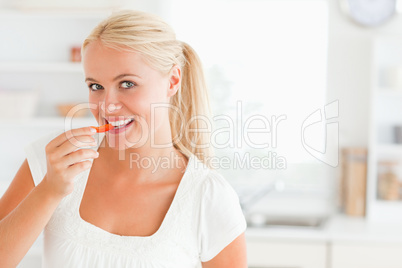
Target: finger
78, 156
73, 135
77, 168
68, 146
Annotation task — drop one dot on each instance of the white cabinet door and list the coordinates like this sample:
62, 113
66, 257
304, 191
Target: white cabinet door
263, 253
365, 255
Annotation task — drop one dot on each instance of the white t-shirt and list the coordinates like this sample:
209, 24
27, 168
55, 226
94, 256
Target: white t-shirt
204, 217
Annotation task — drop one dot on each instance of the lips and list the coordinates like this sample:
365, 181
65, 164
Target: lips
119, 123
121, 128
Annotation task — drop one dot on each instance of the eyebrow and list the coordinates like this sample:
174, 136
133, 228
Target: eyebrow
116, 78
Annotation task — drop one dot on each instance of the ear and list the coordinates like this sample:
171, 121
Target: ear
174, 80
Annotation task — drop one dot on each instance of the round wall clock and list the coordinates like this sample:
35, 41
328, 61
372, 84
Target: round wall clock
369, 12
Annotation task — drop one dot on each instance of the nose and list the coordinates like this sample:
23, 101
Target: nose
111, 107
110, 104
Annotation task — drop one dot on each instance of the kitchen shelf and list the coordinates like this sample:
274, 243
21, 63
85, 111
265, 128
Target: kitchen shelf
390, 149
54, 13
56, 121
37, 58
385, 114
389, 92
386, 210
41, 67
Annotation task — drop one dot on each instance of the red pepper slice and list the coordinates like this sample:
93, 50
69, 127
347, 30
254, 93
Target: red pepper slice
103, 128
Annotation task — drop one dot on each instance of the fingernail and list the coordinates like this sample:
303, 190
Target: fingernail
93, 130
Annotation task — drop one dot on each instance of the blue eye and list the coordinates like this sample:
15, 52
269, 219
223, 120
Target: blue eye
127, 84
95, 87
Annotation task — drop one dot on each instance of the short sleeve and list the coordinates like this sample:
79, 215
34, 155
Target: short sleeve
36, 156
221, 217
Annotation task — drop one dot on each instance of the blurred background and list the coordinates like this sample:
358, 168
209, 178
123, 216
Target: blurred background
306, 96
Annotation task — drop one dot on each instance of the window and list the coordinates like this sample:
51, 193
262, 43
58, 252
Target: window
267, 59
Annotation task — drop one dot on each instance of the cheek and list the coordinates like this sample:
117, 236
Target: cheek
92, 99
141, 104
93, 103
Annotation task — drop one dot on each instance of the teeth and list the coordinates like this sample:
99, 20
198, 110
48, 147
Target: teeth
121, 122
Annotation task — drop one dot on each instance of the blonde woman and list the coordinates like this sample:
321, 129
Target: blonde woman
96, 196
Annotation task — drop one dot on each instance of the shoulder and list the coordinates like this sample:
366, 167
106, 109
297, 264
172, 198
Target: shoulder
209, 182
219, 215
216, 183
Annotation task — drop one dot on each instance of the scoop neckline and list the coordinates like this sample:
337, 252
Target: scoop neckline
93, 228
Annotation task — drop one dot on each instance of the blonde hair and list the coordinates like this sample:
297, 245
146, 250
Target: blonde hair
147, 34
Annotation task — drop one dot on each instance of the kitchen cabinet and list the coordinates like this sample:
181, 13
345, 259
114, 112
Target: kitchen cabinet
35, 54
384, 198
264, 253
295, 253
343, 242
365, 255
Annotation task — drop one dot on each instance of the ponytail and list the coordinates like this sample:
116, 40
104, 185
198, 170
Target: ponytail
193, 102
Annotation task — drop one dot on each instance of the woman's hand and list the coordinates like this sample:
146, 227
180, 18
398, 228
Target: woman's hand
64, 161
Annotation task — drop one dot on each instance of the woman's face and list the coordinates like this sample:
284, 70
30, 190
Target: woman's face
122, 86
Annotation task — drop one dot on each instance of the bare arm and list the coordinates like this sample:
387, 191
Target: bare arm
234, 255
26, 209
19, 188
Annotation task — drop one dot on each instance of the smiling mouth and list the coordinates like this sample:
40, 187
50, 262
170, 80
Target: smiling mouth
120, 124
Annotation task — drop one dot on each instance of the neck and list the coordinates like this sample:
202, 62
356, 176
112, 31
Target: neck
143, 164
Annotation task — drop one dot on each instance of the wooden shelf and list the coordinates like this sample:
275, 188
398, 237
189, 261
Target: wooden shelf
42, 67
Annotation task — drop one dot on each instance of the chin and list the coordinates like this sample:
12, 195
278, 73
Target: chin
122, 143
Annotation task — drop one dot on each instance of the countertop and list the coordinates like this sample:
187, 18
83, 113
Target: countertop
338, 228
